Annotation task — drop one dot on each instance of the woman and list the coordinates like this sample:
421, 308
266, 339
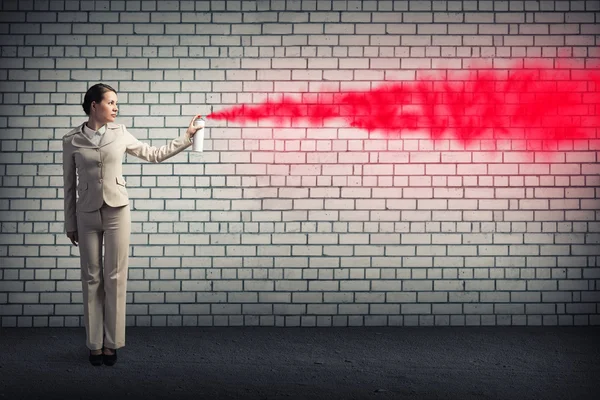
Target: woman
94, 150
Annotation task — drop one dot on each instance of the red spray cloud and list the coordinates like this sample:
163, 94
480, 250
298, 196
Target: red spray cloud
542, 106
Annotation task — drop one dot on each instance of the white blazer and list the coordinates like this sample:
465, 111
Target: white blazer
100, 167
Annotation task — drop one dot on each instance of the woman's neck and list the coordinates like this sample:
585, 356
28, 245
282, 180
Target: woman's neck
94, 124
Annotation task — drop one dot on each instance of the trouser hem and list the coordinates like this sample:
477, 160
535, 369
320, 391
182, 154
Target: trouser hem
114, 346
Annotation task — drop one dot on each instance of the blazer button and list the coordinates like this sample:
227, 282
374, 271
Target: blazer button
100, 180
99, 164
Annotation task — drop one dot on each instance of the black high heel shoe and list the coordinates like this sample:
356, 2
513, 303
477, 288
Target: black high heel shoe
95, 359
110, 360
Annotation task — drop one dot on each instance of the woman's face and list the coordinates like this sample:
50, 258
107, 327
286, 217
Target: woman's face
106, 110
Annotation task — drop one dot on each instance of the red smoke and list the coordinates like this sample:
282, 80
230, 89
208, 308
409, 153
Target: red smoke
542, 106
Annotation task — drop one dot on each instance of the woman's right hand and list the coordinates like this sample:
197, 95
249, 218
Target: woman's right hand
74, 237
192, 129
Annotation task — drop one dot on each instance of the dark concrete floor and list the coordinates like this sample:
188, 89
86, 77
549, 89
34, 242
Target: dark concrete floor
311, 363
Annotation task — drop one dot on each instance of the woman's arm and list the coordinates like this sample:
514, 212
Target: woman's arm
70, 188
156, 154
159, 154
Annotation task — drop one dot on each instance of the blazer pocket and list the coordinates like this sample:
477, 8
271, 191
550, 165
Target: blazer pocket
121, 185
82, 187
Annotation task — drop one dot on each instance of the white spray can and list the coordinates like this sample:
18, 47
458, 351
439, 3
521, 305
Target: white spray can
198, 139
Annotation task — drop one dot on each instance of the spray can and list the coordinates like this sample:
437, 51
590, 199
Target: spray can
198, 139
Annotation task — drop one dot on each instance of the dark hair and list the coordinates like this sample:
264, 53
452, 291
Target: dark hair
95, 93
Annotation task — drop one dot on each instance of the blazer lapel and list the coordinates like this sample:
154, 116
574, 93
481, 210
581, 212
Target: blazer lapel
110, 135
80, 140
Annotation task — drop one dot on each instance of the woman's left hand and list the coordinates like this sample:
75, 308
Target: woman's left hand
191, 130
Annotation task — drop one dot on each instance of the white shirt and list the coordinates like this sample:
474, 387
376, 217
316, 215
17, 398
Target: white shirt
93, 135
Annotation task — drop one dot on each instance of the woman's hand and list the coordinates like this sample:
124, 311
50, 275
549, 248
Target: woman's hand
191, 130
74, 237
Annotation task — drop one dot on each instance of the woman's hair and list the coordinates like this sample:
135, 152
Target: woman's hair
95, 93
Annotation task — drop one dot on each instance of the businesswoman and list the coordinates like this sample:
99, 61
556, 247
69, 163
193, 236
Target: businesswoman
100, 214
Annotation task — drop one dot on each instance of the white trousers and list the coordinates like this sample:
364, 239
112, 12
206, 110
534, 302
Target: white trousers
104, 281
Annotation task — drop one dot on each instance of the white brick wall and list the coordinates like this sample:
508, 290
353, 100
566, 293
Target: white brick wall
322, 226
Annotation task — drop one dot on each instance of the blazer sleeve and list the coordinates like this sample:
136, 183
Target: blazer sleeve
152, 153
70, 188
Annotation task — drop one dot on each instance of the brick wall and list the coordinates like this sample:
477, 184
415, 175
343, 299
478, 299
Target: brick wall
306, 226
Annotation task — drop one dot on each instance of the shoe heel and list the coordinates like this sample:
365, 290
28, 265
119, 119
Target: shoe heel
110, 360
95, 360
